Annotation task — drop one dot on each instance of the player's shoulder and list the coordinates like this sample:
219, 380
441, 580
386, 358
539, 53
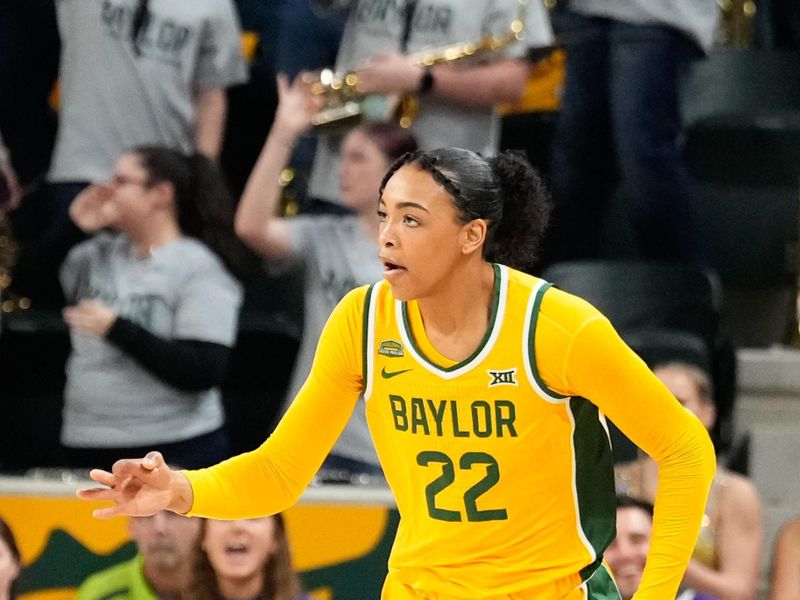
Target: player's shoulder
551, 302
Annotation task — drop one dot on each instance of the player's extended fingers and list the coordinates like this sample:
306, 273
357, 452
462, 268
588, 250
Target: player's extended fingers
107, 513
153, 460
97, 494
129, 467
104, 477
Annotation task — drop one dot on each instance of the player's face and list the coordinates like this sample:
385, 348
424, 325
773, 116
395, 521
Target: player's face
421, 238
165, 539
238, 550
9, 568
627, 554
362, 170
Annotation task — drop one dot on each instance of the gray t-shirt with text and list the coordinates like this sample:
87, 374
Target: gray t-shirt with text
376, 28
337, 256
180, 291
112, 99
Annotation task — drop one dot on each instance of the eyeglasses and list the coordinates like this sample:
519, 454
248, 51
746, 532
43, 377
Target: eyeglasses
120, 180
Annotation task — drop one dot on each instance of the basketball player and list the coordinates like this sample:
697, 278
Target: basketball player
485, 392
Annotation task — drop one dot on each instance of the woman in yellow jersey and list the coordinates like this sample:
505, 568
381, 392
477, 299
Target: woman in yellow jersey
485, 392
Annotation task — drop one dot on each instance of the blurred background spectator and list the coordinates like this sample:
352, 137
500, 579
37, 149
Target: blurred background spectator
456, 100
335, 252
627, 554
727, 558
143, 72
10, 562
785, 576
152, 310
161, 568
620, 123
248, 558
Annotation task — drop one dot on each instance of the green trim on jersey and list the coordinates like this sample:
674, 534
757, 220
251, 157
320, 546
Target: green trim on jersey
365, 340
537, 303
601, 586
486, 336
594, 478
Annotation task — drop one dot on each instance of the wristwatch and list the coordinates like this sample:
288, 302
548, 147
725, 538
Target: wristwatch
427, 81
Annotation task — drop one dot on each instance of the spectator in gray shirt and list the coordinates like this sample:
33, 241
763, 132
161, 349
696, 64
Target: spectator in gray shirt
152, 311
337, 253
139, 72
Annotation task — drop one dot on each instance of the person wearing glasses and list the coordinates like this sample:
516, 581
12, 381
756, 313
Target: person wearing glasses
151, 306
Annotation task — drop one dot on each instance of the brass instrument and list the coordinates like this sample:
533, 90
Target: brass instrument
345, 104
736, 23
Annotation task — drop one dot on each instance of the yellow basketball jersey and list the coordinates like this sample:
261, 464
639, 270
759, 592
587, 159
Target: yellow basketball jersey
501, 483
501, 469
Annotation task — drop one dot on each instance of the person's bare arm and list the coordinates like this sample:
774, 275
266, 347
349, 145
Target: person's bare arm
785, 578
489, 84
738, 545
212, 108
257, 223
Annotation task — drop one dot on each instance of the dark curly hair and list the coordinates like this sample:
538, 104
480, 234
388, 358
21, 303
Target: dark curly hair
504, 190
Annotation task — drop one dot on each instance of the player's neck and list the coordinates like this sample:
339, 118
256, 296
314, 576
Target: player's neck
456, 319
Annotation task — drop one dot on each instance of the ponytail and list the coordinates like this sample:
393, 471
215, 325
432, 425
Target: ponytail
515, 239
505, 191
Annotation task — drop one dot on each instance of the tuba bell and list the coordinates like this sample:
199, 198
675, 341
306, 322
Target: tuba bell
345, 105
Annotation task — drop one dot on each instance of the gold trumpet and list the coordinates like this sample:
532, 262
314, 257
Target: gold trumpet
736, 23
345, 104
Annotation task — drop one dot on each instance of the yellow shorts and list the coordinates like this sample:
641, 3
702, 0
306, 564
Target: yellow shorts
600, 586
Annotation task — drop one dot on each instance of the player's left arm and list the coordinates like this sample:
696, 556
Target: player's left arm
602, 368
739, 538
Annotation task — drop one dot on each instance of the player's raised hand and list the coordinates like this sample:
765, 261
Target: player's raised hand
139, 488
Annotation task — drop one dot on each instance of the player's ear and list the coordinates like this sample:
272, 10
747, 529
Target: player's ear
473, 235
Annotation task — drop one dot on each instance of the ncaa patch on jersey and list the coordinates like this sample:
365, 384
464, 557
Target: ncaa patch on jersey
391, 348
507, 377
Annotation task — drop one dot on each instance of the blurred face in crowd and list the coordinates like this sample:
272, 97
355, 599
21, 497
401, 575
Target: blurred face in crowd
9, 568
239, 550
133, 197
685, 389
627, 554
362, 169
165, 540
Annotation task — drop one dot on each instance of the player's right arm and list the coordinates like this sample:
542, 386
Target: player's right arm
272, 477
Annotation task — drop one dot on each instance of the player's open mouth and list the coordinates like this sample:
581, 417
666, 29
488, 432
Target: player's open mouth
389, 267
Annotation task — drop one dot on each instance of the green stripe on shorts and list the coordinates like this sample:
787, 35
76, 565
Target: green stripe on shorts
601, 586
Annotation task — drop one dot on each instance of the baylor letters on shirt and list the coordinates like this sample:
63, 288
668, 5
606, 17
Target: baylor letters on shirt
482, 450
